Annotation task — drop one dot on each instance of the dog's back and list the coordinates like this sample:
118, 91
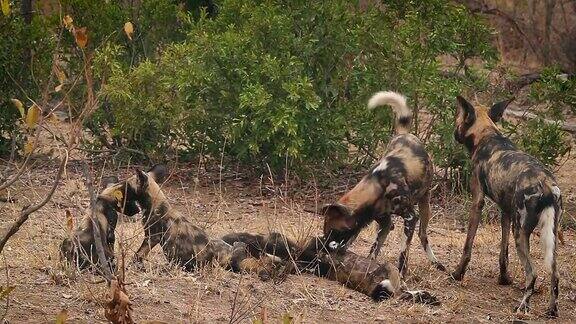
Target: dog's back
505, 171
523, 188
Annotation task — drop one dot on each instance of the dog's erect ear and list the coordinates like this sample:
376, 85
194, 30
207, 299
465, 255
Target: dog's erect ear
466, 110
497, 111
337, 217
108, 181
159, 172
141, 180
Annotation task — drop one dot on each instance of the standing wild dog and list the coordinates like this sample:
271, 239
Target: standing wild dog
80, 249
183, 243
394, 185
520, 185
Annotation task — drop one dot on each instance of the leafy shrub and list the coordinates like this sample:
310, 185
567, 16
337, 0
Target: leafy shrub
156, 22
557, 89
543, 136
540, 138
277, 81
25, 57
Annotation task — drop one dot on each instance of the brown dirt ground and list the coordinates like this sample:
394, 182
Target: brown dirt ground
235, 204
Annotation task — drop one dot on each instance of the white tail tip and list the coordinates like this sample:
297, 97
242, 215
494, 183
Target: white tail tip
394, 99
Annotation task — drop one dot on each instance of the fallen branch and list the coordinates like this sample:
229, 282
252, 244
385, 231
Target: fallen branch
568, 127
27, 211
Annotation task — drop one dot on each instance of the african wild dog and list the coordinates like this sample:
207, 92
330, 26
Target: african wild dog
183, 243
330, 260
399, 180
520, 185
80, 249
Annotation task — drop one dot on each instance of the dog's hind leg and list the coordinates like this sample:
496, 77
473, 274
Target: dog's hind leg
550, 223
384, 225
522, 239
473, 221
504, 278
424, 207
410, 220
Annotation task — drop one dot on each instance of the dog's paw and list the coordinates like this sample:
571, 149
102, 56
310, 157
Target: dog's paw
523, 309
505, 280
440, 266
552, 312
421, 297
457, 275
138, 265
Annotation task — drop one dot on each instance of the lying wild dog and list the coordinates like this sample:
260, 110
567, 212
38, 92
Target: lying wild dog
394, 185
520, 185
330, 260
80, 248
183, 243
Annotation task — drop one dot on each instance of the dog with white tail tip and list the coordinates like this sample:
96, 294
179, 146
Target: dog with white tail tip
400, 180
524, 190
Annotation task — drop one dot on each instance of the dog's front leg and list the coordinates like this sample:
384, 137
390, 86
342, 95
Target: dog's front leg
150, 241
410, 221
473, 221
384, 225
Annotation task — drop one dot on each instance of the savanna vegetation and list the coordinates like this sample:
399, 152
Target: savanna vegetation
264, 89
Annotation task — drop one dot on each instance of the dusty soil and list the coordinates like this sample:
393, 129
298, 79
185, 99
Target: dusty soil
226, 203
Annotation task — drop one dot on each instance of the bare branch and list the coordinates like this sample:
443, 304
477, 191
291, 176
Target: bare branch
27, 211
568, 127
97, 235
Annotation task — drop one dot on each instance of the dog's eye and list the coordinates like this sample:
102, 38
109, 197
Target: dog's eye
396, 200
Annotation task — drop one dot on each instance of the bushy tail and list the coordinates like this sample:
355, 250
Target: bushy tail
548, 235
398, 104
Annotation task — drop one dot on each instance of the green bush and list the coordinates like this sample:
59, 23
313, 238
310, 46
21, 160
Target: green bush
556, 89
540, 138
278, 81
25, 58
543, 136
26, 50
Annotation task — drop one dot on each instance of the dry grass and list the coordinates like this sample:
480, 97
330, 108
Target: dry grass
215, 295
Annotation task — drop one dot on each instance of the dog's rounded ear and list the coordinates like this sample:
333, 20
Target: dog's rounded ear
141, 179
497, 110
109, 181
159, 172
337, 217
466, 110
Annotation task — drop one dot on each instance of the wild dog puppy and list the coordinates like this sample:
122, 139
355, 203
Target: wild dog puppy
274, 244
288, 256
80, 248
394, 185
183, 243
520, 185
328, 259
379, 281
